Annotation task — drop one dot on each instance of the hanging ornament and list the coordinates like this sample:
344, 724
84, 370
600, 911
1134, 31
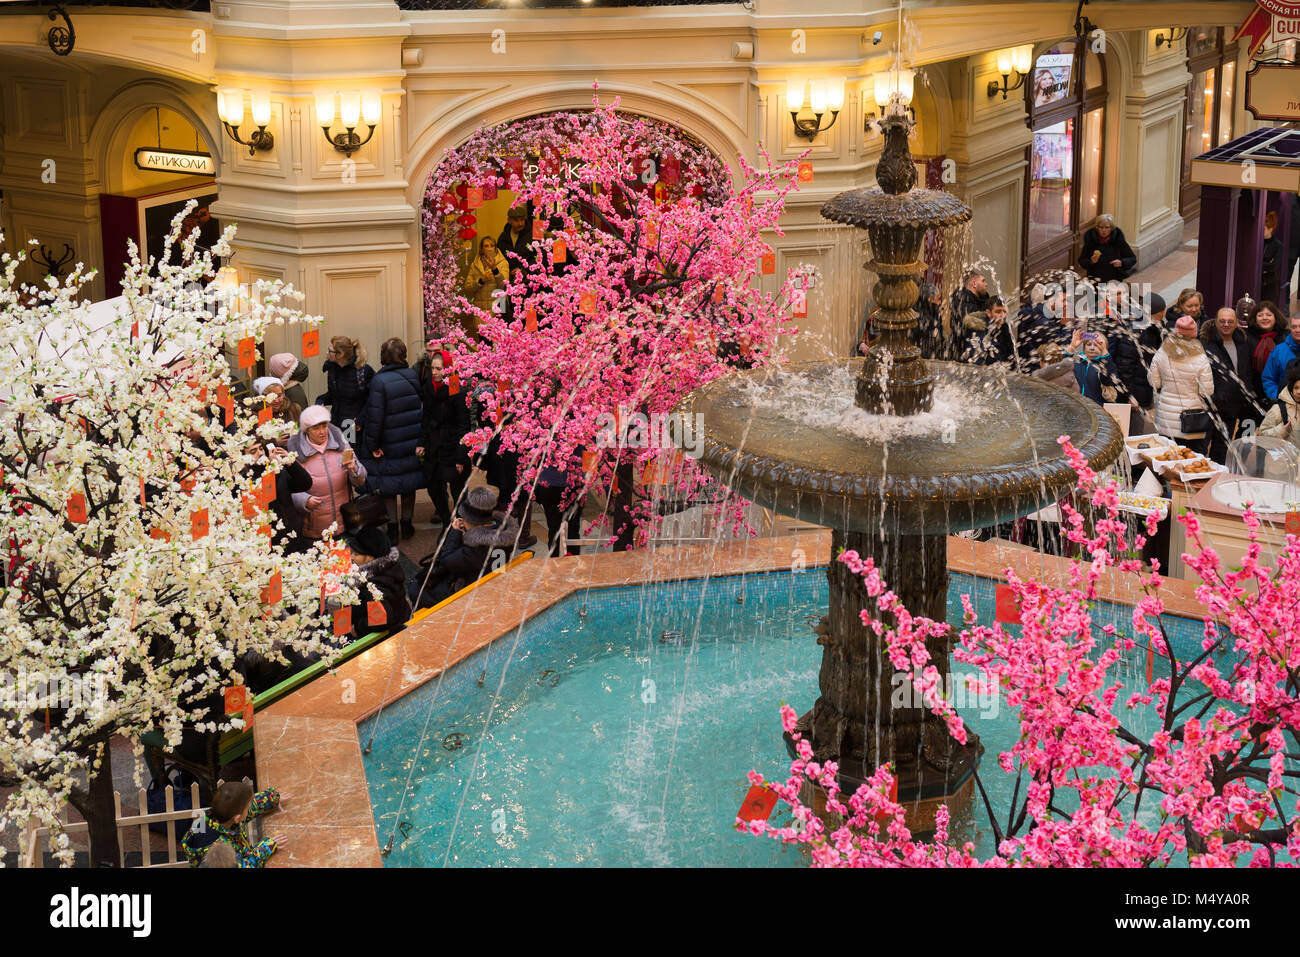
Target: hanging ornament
467, 219
467, 233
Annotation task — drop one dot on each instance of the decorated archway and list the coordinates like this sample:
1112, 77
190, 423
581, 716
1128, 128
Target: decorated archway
471, 189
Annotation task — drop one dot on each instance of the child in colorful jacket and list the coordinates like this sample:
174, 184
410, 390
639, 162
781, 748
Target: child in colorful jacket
233, 806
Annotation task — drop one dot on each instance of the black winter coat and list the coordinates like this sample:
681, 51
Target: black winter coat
391, 424
291, 479
466, 556
1232, 390
348, 389
1116, 247
386, 576
1131, 351
520, 249
445, 422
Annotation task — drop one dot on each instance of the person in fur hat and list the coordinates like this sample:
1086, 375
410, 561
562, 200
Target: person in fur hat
480, 540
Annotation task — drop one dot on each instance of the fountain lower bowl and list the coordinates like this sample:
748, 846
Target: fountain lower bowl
974, 471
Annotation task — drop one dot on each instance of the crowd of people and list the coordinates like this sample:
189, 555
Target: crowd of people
1200, 378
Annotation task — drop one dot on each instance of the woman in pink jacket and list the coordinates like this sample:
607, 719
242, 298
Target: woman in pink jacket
332, 465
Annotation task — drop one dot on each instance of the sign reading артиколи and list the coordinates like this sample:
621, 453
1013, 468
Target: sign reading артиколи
175, 161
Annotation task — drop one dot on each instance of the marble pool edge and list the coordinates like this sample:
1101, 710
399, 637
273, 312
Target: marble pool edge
307, 745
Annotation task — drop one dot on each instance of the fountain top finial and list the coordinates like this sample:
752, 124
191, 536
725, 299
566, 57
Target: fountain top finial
896, 173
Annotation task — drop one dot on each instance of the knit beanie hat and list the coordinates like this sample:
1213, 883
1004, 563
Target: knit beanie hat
1186, 326
281, 365
262, 383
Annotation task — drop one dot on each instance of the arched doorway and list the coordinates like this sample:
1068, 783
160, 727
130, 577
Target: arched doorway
467, 197
1066, 100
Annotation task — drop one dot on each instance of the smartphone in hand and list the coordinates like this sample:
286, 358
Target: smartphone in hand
348, 456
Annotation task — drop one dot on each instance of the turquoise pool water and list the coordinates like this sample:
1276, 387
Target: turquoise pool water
587, 739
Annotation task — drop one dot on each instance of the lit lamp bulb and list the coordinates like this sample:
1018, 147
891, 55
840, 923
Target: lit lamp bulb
261, 109
1004, 62
325, 110
794, 95
350, 109
817, 97
230, 106
370, 109
1023, 58
835, 95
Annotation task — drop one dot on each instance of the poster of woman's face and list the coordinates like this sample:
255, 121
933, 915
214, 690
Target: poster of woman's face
1052, 78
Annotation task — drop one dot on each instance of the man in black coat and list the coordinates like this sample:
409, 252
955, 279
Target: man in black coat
391, 427
446, 421
971, 296
1230, 361
1132, 344
515, 241
1106, 253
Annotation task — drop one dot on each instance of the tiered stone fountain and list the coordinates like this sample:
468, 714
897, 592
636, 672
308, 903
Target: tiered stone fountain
896, 497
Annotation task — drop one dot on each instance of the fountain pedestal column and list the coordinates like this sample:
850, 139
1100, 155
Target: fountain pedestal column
868, 714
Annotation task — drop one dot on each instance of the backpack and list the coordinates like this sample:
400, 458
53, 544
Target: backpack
156, 798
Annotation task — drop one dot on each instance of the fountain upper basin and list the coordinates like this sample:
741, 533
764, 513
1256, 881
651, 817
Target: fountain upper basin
792, 439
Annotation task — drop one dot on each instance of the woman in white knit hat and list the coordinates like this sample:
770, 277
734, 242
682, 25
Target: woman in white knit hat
333, 466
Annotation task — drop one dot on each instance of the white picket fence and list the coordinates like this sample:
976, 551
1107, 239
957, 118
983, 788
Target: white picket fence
36, 840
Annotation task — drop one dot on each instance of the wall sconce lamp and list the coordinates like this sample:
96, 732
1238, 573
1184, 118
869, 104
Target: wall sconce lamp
1175, 34
1017, 61
230, 108
822, 96
354, 108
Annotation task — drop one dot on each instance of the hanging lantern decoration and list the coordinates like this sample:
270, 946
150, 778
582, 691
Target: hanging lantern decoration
466, 219
462, 190
469, 232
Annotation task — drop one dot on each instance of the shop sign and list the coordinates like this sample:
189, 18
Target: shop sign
175, 161
1273, 92
1273, 20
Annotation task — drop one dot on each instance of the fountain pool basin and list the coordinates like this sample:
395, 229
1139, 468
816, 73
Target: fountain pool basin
623, 736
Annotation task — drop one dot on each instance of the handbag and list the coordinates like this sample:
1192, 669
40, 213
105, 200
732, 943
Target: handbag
1191, 421
372, 508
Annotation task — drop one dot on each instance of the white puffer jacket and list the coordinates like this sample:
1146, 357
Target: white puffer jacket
1180, 373
1273, 424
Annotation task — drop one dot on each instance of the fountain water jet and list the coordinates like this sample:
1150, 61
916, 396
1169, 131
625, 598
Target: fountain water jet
895, 497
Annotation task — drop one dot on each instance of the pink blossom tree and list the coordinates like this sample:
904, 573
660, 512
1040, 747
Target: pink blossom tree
1210, 785
642, 288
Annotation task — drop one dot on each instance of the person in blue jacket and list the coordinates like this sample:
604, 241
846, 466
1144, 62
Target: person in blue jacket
1094, 370
1283, 354
391, 432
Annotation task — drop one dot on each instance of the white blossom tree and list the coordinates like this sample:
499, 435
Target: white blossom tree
141, 565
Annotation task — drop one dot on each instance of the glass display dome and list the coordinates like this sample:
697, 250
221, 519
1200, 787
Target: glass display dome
1262, 471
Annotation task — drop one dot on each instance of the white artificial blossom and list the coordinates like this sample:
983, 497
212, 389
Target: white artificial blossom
149, 618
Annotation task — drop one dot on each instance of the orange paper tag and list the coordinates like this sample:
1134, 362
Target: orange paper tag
311, 343
530, 320
661, 193
250, 503
539, 229
264, 415
651, 234
135, 330
265, 530
1293, 523
1006, 608
272, 593
187, 483
474, 197
340, 561
805, 171
375, 613
247, 352
198, 523
718, 293
453, 384
248, 716
236, 698
342, 621
769, 263
159, 534
560, 252
587, 303
268, 488
77, 508
143, 502
589, 461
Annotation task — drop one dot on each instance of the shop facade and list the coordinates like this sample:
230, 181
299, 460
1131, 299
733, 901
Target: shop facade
344, 224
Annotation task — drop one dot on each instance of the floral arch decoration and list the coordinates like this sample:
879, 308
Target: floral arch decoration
672, 163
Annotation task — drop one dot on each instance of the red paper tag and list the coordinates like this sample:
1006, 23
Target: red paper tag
560, 252
530, 320
587, 303
539, 229
143, 502
798, 303
474, 197
250, 502
758, 804
135, 330
198, 523
273, 591
342, 621
718, 293
223, 394
77, 508
514, 166
589, 462
453, 384
264, 415
651, 234
311, 343
340, 561
375, 613
265, 530
1293, 523
248, 716
236, 698
661, 193
489, 190
159, 534
247, 352
769, 263
187, 484
1007, 609
805, 171
1151, 663
268, 488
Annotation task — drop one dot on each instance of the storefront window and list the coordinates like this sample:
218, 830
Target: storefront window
1050, 189
1090, 166
1052, 75
1226, 103
1201, 137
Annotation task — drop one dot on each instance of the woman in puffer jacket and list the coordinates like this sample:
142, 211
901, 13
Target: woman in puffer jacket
391, 425
1281, 421
1183, 380
332, 465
